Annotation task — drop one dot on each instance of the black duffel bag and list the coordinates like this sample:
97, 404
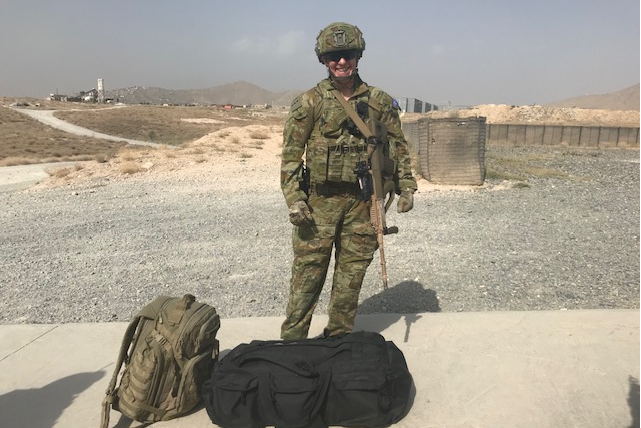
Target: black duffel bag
359, 379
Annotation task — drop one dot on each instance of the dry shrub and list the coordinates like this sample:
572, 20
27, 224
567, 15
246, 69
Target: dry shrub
14, 160
168, 151
545, 172
259, 135
491, 174
128, 154
256, 145
64, 172
244, 155
209, 143
59, 172
80, 158
235, 139
130, 168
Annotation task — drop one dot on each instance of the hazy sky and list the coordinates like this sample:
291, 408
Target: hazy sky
464, 52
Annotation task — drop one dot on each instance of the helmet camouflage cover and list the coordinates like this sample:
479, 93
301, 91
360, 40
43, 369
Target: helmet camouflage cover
339, 36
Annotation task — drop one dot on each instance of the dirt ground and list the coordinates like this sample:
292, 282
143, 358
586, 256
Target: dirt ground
255, 148
253, 151
531, 115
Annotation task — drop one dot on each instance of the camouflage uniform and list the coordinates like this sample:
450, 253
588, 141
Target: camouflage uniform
319, 128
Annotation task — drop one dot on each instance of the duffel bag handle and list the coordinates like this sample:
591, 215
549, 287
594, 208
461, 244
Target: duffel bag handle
269, 406
300, 367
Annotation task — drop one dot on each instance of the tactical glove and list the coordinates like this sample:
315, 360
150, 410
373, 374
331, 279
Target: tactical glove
405, 201
299, 214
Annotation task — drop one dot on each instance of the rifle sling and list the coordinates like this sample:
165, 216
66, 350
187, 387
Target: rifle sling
363, 128
352, 114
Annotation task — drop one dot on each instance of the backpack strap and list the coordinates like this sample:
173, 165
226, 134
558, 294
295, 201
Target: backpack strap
122, 355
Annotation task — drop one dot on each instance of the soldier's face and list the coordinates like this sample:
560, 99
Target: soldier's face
342, 63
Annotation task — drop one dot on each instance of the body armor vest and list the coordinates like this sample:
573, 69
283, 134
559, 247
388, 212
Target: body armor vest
336, 145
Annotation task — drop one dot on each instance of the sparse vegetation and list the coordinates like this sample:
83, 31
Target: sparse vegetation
185, 131
25, 141
64, 172
491, 174
128, 154
130, 168
257, 145
543, 172
259, 135
161, 124
522, 168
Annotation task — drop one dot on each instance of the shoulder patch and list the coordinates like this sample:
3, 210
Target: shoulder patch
297, 110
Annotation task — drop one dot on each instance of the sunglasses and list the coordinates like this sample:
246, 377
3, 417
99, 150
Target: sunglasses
337, 55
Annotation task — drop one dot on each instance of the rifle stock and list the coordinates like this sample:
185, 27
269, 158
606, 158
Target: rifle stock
379, 205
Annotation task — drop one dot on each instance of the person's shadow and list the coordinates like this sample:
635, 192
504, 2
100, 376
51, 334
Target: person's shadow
633, 401
41, 407
407, 300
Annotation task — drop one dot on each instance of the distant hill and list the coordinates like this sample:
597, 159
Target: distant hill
245, 93
625, 99
236, 93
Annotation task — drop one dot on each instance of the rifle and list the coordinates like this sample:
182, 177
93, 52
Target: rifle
375, 178
380, 169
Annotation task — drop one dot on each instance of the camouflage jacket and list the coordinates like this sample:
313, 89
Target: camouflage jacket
320, 129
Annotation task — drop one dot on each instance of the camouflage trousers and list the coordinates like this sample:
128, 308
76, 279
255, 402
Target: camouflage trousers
341, 223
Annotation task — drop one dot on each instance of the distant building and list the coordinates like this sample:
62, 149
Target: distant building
413, 105
89, 96
57, 97
93, 95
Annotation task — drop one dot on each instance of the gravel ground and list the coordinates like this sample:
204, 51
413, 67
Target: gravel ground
98, 251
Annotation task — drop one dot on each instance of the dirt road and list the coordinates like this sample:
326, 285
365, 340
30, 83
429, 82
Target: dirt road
24, 176
47, 117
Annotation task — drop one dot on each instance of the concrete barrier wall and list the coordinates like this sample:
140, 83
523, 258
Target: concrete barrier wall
562, 135
530, 135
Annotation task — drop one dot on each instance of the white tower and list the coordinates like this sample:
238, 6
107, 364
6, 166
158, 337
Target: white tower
101, 91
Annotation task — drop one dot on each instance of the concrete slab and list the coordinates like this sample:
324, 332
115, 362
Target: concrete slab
14, 338
492, 369
20, 177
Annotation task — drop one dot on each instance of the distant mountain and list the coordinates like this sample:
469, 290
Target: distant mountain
244, 93
237, 93
625, 99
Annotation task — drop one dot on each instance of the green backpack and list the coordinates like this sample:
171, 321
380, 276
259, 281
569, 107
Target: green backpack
169, 349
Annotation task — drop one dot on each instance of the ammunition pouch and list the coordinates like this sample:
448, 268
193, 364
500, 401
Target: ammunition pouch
364, 179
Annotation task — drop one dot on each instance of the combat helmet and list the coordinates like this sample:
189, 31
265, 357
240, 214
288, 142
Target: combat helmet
339, 36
